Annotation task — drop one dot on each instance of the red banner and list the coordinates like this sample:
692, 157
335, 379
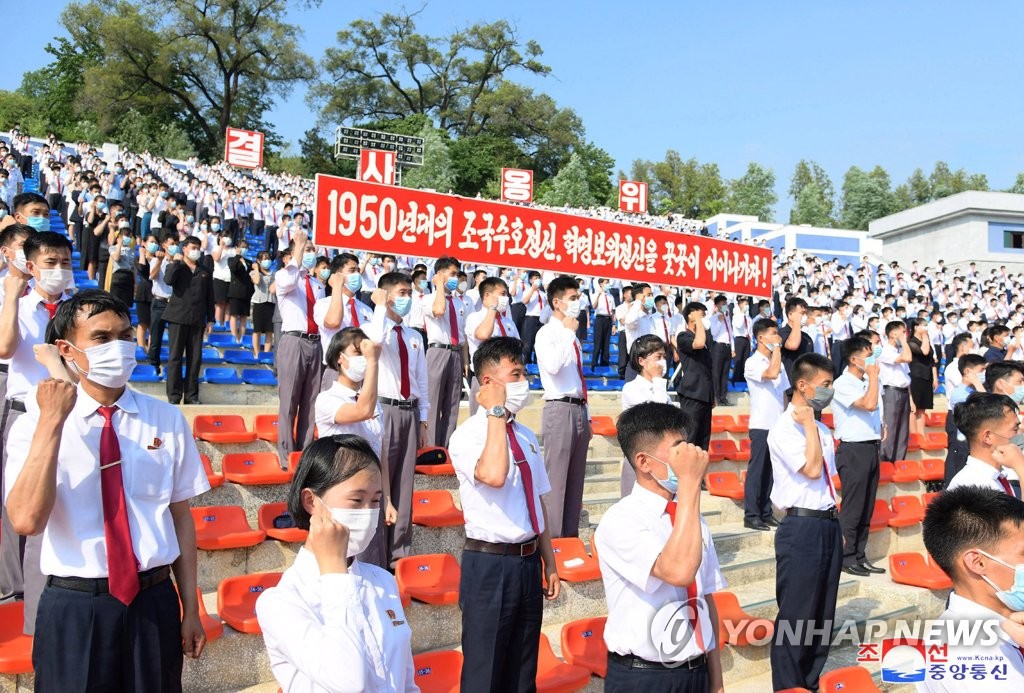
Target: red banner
355, 215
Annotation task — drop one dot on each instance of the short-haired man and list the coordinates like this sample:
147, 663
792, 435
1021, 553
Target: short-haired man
31, 209
696, 393
491, 320
1007, 378
742, 338
989, 421
1001, 347
655, 549
189, 316
894, 375
638, 320
447, 356
858, 427
504, 487
767, 384
809, 542
341, 309
976, 535
971, 369
721, 349
795, 342
604, 314
532, 296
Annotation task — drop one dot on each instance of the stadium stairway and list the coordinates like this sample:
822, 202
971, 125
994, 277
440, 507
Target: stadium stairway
238, 661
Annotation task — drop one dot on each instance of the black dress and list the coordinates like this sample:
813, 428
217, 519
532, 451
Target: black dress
921, 383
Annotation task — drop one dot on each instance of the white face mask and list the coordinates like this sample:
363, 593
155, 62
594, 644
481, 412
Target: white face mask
110, 364
572, 309
55, 281
362, 526
194, 255
19, 261
663, 366
356, 370
517, 395
502, 303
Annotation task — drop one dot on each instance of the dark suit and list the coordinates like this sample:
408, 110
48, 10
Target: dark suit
188, 311
696, 392
789, 357
241, 288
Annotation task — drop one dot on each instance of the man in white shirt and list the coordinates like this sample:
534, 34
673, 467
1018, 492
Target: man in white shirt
638, 320
767, 384
842, 329
110, 533
504, 490
721, 349
341, 309
894, 375
491, 320
809, 542
619, 329
566, 419
990, 423
742, 338
858, 427
604, 315
444, 314
472, 296
655, 550
533, 298
976, 536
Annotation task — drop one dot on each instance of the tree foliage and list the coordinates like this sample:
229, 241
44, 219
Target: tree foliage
753, 193
570, 187
437, 172
867, 195
819, 211
687, 187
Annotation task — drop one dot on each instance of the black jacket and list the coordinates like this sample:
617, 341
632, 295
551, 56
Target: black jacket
191, 301
695, 382
241, 286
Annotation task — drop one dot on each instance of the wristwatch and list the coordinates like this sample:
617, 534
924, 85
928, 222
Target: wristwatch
498, 412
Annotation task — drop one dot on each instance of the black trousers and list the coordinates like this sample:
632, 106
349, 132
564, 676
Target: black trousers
582, 326
623, 679
837, 356
721, 354
502, 605
156, 329
93, 642
742, 347
602, 341
531, 325
808, 560
623, 354
187, 340
518, 313
700, 412
270, 240
231, 230
857, 464
956, 451
757, 488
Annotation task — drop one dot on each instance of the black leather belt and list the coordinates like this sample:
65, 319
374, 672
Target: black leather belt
147, 579
400, 403
830, 514
3, 367
17, 405
893, 387
449, 347
640, 663
571, 400
527, 548
311, 336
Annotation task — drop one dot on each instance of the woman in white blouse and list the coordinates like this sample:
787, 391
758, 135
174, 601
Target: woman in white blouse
647, 357
334, 623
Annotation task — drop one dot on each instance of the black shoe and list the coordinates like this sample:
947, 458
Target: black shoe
871, 568
771, 522
855, 570
756, 524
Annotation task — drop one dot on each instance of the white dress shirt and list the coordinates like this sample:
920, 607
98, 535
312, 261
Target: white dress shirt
604, 304
978, 473
766, 396
415, 317
1004, 653
791, 487
327, 404
664, 327
741, 324
161, 465
951, 377
841, 327
537, 303
473, 321
336, 632
24, 371
629, 539
381, 329
855, 425
160, 288
721, 330
556, 346
290, 282
640, 390
320, 309
497, 515
890, 373
439, 329
637, 322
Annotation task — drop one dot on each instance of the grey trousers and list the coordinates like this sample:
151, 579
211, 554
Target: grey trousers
444, 388
896, 414
567, 434
398, 457
298, 375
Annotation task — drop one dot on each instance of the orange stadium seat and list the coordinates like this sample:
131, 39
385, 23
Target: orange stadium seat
880, 516
929, 497
213, 477
935, 419
266, 427
935, 441
15, 646
211, 626
906, 511
236, 600
912, 569
726, 449
583, 645
603, 426
556, 676
293, 460
914, 442
438, 672
435, 509
444, 468
886, 471
254, 469
725, 484
933, 470
265, 521
855, 679
730, 611
741, 424
720, 423
432, 578
224, 527
717, 449
907, 471
217, 428
571, 549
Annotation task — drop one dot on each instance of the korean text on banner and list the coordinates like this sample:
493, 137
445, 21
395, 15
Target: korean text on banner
356, 215
243, 148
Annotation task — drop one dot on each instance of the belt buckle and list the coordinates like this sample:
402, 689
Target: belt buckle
523, 548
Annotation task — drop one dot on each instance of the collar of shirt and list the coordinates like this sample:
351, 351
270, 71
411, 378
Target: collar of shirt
983, 468
963, 608
86, 406
648, 502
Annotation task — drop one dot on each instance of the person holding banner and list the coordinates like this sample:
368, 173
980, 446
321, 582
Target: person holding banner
445, 314
492, 320
566, 420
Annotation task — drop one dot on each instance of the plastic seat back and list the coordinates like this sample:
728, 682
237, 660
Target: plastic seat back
438, 672
236, 599
855, 679
432, 578
254, 468
268, 512
222, 428
583, 644
15, 646
224, 527
265, 426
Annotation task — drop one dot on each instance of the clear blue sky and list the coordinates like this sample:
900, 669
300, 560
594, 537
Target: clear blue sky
900, 84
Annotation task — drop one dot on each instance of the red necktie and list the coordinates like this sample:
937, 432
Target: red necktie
607, 305
311, 327
579, 368
403, 358
664, 325
501, 325
540, 298
453, 322
355, 315
51, 308
691, 590
525, 472
122, 568
1006, 485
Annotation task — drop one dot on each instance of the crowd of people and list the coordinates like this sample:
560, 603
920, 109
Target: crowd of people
376, 352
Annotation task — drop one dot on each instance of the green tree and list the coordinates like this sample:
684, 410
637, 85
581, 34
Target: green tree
804, 173
437, 171
599, 165
318, 156
478, 162
945, 181
811, 208
1018, 185
753, 193
57, 87
919, 189
867, 195
570, 186
688, 187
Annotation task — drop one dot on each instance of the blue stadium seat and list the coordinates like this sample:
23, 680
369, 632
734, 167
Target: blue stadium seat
605, 371
258, 376
140, 354
145, 373
535, 384
222, 376
532, 369
241, 357
266, 358
212, 355
221, 340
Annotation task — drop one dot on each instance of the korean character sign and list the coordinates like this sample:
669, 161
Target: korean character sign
389, 219
632, 196
243, 148
377, 166
516, 185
